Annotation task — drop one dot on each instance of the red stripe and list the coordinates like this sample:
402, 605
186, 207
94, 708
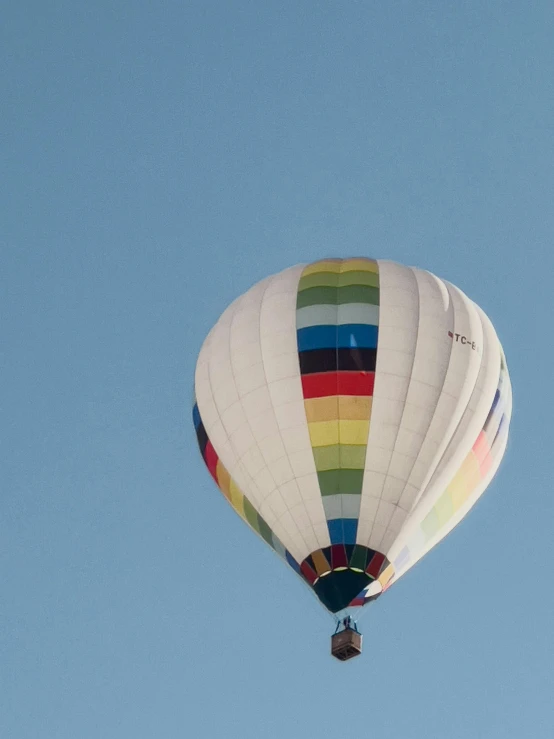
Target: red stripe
356, 602
325, 384
211, 458
374, 566
481, 447
356, 383
319, 385
338, 556
308, 573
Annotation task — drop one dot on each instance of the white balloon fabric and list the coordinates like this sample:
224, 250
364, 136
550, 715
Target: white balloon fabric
352, 411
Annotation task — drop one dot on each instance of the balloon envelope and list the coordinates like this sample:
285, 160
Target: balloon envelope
352, 411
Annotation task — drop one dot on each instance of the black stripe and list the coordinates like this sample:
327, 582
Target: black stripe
349, 548
202, 437
318, 360
357, 359
331, 360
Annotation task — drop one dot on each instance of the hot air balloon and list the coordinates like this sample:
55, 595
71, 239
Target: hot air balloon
352, 411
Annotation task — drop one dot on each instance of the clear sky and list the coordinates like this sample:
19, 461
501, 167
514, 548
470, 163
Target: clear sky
157, 159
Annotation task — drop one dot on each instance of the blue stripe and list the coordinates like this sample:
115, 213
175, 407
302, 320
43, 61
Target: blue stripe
345, 336
402, 558
492, 412
343, 530
499, 431
357, 335
316, 337
196, 416
293, 563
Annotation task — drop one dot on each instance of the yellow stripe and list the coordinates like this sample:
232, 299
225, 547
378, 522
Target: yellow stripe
358, 277
459, 491
354, 408
338, 265
223, 479
324, 433
386, 575
368, 265
237, 498
322, 409
471, 470
326, 265
353, 432
444, 509
320, 562
345, 407
464, 481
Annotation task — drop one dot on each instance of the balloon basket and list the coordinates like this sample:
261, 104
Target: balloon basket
346, 644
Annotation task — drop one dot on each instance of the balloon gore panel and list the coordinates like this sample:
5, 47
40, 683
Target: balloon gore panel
337, 364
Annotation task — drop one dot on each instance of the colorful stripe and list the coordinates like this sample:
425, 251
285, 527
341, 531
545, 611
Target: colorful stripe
236, 498
340, 574
471, 473
337, 319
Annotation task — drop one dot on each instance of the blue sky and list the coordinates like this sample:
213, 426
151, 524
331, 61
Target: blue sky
158, 158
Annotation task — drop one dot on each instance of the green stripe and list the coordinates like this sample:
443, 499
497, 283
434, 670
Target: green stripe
317, 296
352, 457
319, 279
359, 557
344, 482
444, 508
257, 522
337, 456
358, 294
265, 531
430, 524
251, 515
340, 296
358, 278
326, 457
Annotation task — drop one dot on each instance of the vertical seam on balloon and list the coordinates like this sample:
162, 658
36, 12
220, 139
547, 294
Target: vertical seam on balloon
242, 406
372, 398
305, 410
238, 394
438, 461
304, 398
374, 386
339, 492
397, 504
498, 377
279, 429
209, 362
412, 272
245, 497
232, 310
455, 429
458, 513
